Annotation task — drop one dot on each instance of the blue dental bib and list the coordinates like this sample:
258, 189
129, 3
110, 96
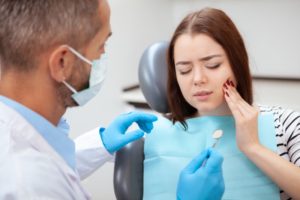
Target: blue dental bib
169, 148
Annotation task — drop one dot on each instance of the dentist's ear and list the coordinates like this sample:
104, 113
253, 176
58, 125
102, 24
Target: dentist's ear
61, 62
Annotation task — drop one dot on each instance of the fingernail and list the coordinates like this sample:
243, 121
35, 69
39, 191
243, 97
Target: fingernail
231, 83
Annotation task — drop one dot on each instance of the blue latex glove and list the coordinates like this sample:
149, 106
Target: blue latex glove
114, 137
197, 182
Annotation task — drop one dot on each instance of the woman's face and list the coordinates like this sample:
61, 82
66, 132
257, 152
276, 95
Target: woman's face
202, 67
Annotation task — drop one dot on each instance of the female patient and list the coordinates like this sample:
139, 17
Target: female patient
210, 88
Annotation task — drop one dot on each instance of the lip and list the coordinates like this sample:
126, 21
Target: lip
202, 95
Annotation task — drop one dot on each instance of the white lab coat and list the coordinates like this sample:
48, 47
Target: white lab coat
31, 169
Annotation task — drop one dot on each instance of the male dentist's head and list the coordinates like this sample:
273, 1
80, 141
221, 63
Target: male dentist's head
50, 55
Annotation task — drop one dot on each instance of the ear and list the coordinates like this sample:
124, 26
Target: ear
61, 62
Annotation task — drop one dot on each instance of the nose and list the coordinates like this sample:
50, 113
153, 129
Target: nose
199, 76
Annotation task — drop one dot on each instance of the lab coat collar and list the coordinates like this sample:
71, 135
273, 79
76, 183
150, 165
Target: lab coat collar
57, 137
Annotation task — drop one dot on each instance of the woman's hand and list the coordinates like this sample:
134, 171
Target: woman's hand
285, 174
246, 118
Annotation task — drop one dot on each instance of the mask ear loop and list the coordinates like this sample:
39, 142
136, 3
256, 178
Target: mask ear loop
69, 86
82, 58
79, 55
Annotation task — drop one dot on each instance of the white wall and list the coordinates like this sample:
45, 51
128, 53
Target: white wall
281, 93
138, 23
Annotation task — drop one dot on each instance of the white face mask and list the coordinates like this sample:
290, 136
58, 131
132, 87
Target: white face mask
98, 72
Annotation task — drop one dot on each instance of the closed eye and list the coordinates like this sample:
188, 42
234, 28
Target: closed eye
213, 66
183, 67
184, 72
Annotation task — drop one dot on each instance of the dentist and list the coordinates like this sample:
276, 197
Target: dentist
50, 60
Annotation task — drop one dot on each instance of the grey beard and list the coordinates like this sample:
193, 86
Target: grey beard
65, 97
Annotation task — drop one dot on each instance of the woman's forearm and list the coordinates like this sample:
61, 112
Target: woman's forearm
285, 174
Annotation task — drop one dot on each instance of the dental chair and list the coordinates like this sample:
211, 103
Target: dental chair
129, 161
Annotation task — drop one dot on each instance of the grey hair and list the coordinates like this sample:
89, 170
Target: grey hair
29, 27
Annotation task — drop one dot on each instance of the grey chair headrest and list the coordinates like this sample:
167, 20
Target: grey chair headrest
153, 76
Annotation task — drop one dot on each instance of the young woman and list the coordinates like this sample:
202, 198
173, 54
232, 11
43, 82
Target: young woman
209, 83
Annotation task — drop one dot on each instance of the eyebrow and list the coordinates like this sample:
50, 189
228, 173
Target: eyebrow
210, 57
206, 58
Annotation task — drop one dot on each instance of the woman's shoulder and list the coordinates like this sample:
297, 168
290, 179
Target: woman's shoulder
270, 109
287, 121
164, 126
162, 123
279, 112
162, 130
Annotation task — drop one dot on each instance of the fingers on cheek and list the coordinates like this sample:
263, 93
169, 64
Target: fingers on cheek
229, 83
225, 90
227, 87
226, 93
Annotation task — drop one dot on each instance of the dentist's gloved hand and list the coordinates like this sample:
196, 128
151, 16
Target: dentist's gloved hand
114, 137
197, 182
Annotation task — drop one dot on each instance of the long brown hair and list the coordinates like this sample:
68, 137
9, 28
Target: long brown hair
216, 24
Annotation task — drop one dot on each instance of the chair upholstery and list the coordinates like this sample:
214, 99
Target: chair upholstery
153, 76
128, 171
129, 161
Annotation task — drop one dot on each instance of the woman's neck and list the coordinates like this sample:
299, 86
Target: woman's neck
221, 110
